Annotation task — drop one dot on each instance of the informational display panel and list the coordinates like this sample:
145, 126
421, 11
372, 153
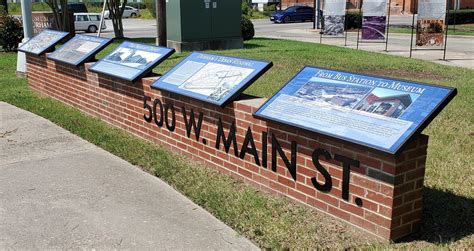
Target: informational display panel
212, 78
334, 17
43, 42
131, 61
79, 49
372, 111
374, 19
430, 27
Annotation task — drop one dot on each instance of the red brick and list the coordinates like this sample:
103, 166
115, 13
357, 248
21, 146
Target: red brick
339, 213
285, 181
363, 223
352, 208
317, 204
327, 198
297, 195
397, 211
377, 219
310, 191
401, 231
413, 216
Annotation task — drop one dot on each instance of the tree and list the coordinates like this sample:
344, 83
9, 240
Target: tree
60, 13
161, 14
115, 14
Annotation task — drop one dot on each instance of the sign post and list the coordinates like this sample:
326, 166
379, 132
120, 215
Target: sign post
27, 32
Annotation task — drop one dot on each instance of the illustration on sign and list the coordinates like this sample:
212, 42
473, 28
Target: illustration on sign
212, 78
43, 42
130, 60
374, 19
334, 17
79, 49
376, 112
430, 26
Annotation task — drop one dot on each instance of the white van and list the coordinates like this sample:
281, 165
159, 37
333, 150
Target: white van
88, 22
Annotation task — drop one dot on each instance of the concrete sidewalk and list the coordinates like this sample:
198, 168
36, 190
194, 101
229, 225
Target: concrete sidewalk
58, 191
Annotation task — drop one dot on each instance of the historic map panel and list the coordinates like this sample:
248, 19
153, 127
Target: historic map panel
79, 49
374, 19
43, 42
131, 61
212, 78
372, 111
431, 23
334, 17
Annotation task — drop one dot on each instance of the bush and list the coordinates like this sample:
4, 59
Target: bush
269, 8
353, 20
248, 31
11, 32
246, 8
462, 17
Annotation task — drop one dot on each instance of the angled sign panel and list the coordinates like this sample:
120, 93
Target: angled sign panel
43, 42
212, 78
79, 49
131, 61
372, 111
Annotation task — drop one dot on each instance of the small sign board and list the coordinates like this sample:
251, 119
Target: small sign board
372, 111
43, 42
131, 61
79, 49
212, 78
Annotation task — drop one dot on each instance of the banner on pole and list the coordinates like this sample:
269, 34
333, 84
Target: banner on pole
374, 19
334, 17
430, 26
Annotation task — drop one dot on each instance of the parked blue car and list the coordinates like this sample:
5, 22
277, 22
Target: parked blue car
292, 14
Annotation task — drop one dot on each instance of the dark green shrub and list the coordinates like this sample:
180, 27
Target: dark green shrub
150, 5
246, 8
248, 31
269, 8
11, 32
353, 20
462, 17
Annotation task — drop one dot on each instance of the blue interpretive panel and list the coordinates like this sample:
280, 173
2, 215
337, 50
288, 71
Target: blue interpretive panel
131, 61
212, 78
43, 42
377, 112
79, 49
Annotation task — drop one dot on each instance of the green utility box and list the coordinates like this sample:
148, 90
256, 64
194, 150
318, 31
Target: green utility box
195, 25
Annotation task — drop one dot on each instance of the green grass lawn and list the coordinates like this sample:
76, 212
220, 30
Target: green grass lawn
459, 30
277, 222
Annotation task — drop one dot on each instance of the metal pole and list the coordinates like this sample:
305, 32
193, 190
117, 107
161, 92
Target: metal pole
447, 26
27, 32
388, 26
345, 28
102, 18
358, 29
412, 28
315, 15
454, 17
318, 22
26, 17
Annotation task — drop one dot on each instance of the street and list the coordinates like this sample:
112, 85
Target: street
460, 49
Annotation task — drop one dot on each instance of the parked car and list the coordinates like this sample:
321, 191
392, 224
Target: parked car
88, 22
128, 12
293, 13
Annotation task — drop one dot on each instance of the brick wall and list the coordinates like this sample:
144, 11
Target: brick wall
375, 191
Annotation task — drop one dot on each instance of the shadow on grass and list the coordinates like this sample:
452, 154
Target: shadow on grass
446, 218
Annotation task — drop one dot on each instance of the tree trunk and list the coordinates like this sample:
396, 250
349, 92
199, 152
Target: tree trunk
161, 17
115, 14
